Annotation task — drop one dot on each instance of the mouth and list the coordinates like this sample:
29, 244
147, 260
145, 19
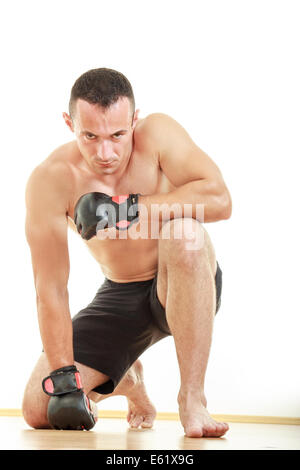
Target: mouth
104, 164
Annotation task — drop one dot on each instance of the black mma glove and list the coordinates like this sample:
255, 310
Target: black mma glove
69, 407
98, 211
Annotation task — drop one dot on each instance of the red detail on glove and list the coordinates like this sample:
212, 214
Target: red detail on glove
120, 199
123, 224
49, 385
78, 380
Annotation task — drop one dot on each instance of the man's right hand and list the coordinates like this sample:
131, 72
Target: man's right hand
98, 211
69, 407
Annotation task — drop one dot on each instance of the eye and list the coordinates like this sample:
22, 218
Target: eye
90, 136
117, 135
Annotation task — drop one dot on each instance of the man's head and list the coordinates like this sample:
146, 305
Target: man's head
102, 115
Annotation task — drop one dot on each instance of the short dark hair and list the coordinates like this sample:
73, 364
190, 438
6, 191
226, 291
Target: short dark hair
101, 86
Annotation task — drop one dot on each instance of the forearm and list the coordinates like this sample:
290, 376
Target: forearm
199, 199
56, 329
114, 217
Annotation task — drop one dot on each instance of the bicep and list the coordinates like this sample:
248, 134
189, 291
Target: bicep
180, 158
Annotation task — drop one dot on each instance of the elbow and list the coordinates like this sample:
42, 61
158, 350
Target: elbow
222, 200
225, 206
51, 293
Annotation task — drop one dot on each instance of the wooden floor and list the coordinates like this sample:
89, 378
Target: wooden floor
114, 434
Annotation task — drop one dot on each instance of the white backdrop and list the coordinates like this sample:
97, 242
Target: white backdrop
228, 71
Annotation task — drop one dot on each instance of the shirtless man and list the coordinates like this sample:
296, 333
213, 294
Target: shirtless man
154, 286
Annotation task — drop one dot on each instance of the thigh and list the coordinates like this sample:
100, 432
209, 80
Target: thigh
169, 248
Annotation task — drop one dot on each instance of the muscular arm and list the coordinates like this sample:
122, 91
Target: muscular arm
200, 191
197, 178
46, 233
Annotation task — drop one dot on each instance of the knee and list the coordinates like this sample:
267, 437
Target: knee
187, 234
34, 415
184, 241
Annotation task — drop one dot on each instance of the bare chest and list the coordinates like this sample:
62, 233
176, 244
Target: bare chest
144, 177
115, 256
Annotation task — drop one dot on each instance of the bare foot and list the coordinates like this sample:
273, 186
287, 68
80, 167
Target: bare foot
196, 420
141, 411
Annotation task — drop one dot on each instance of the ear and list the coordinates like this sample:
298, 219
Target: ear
68, 121
135, 118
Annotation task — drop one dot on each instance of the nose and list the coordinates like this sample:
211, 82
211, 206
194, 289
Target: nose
105, 152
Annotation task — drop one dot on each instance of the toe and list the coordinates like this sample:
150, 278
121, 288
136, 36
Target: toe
194, 431
136, 421
221, 429
147, 422
129, 416
210, 430
225, 427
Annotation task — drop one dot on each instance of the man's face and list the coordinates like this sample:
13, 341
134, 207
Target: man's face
104, 136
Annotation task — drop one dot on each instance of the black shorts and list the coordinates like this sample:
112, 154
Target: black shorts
121, 322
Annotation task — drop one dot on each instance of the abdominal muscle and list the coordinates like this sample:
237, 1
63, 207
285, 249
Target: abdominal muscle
125, 260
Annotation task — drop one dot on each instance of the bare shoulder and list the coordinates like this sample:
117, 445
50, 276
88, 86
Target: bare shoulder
56, 167
152, 123
162, 119
159, 128
54, 174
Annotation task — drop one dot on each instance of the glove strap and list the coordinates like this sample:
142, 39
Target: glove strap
62, 381
128, 212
